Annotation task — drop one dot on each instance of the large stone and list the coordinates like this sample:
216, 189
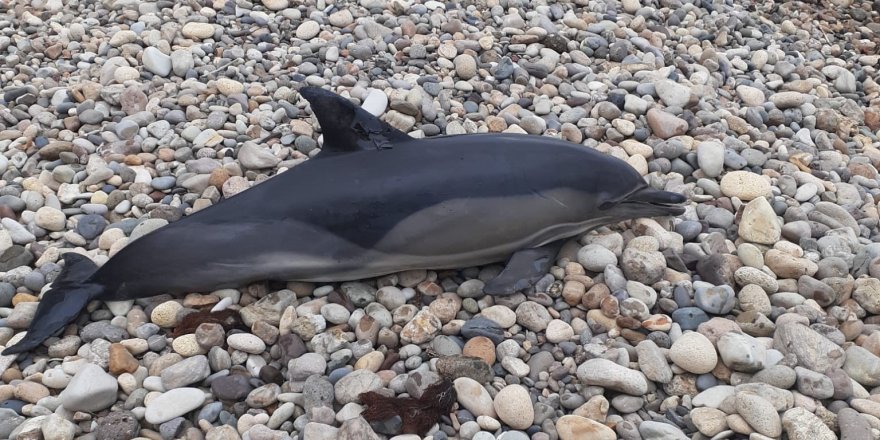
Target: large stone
91, 389
174, 403
812, 350
474, 397
801, 424
741, 352
862, 366
572, 427
759, 223
672, 94
156, 62
759, 413
252, 156
666, 125
607, 374
694, 352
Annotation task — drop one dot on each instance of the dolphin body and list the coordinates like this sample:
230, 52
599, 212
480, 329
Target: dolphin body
374, 201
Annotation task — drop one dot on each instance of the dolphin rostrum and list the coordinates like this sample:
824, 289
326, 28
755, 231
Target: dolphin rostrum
374, 201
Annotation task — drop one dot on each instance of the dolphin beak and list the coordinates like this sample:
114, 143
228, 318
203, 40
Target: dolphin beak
650, 201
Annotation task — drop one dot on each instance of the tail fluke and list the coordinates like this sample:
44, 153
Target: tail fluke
62, 304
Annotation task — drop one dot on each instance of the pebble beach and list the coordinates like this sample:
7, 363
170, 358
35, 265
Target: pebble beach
755, 314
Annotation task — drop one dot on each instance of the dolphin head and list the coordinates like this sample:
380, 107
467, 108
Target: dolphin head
618, 192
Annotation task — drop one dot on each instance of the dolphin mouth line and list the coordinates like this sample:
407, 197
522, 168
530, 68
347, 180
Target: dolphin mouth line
666, 208
650, 199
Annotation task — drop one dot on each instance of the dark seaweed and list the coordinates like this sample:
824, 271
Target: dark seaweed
418, 415
228, 318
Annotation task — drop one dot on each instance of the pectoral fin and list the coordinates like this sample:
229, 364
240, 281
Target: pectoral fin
525, 268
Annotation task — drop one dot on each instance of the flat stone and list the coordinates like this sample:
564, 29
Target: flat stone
759, 413
672, 93
186, 372
254, 157
456, 366
351, 386
862, 366
198, 30
652, 362
750, 96
784, 100
745, 185
709, 421
813, 384
173, 403
853, 426
474, 397
91, 389
813, 350
710, 157
307, 30
650, 429
376, 101
666, 125
573, 427
607, 374
801, 424
741, 352
713, 397
759, 223
156, 62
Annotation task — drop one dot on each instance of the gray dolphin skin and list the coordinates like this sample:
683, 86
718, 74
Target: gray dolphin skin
374, 201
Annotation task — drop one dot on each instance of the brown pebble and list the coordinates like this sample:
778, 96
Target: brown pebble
390, 359
30, 392
121, 361
610, 306
481, 347
594, 296
218, 177
633, 336
10, 374
7, 212
165, 154
573, 292
23, 298
429, 288
196, 300
628, 322
337, 298
265, 331
367, 329
132, 159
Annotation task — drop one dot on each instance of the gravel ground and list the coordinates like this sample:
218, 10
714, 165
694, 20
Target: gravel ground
756, 313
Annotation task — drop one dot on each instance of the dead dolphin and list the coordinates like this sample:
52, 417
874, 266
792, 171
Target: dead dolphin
374, 201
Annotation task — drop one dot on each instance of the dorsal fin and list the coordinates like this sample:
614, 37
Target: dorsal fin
347, 127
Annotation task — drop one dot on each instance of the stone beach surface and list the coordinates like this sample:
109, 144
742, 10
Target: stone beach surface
754, 314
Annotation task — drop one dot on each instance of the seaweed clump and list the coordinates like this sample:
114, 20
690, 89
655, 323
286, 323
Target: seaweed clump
417, 414
228, 318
